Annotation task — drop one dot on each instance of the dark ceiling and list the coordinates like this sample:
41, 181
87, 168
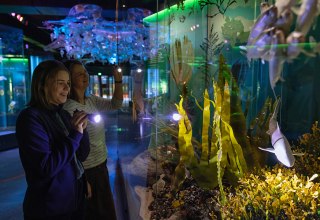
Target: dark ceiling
37, 11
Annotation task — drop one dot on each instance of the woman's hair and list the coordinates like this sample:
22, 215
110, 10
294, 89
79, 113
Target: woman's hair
43, 79
69, 64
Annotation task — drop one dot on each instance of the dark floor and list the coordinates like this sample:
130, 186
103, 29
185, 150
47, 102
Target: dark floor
12, 185
125, 139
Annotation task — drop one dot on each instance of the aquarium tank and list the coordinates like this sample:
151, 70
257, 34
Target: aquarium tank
235, 133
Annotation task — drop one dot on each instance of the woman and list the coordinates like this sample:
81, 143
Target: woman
51, 146
100, 205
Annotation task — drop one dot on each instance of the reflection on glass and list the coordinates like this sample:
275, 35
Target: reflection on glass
13, 93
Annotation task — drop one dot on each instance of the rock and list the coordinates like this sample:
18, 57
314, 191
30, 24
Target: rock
159, 185
145, 195
176, 216
144, 166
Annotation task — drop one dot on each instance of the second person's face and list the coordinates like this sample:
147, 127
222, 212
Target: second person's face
79, 77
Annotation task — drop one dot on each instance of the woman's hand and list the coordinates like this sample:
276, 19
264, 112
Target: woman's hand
79, 121
89, 191
118, 91
117, 75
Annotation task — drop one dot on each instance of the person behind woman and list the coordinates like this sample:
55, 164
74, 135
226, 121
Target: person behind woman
51, 146
100, 205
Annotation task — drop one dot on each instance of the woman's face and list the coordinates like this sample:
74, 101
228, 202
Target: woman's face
79, 77
59, 88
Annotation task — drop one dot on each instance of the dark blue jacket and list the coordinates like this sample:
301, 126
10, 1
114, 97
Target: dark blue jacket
47, 156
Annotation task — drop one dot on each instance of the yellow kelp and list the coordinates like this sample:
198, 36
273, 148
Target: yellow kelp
204, 171
185, 145
205, 127
221, 154
230, 146
229, 157
185, 134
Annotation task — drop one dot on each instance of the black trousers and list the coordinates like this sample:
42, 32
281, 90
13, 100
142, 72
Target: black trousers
101, 204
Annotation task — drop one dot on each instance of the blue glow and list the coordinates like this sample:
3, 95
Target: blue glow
84, 32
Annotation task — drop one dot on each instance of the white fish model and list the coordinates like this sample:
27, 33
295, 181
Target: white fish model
284, 5
263, 7
265, 21
294, 41
281, 147
285, 21
306, 15
261, 47
277, 58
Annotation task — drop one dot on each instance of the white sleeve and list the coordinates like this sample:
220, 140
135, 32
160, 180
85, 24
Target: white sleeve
106, 104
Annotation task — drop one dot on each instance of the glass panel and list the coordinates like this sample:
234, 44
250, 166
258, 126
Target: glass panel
126, 85
105, 85
104, 80
13, 92
94, 87
222, 65
13, 76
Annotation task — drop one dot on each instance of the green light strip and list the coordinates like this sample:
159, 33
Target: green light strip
301, 45
15, 60
161, 15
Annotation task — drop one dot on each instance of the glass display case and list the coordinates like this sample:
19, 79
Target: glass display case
231, 111
13, 77
219, 121
13, 90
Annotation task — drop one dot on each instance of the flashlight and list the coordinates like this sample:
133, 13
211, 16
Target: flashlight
95, 118
176, 116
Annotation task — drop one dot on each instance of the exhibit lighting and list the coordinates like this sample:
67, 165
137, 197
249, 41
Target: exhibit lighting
84, 34
176, 116
165, 13
96, 118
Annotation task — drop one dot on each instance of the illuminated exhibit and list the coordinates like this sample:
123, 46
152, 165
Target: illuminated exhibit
238, 149
220, 107
84, 34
